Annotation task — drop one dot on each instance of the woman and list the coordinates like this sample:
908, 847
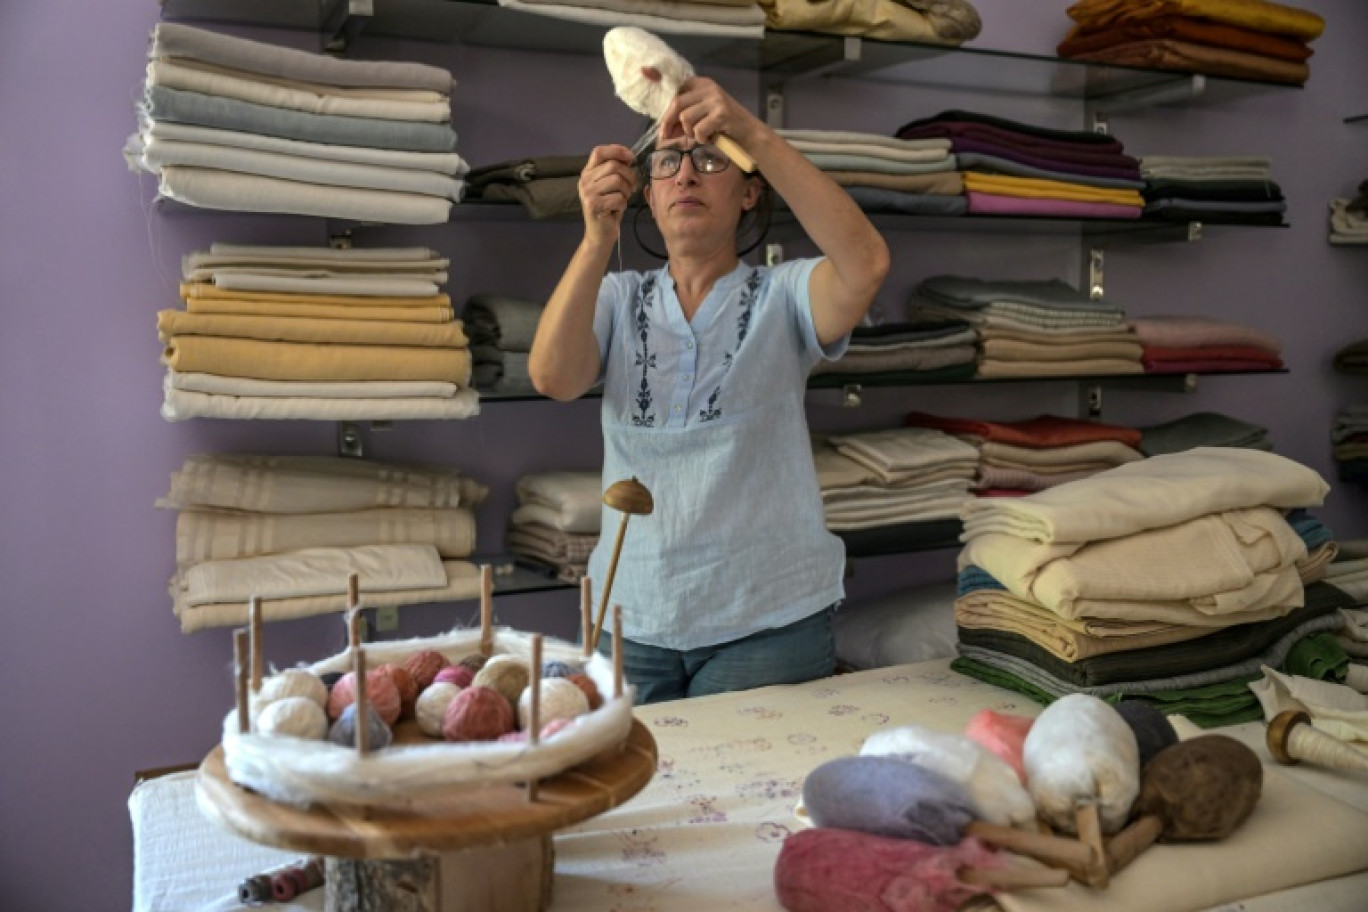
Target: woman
732, 581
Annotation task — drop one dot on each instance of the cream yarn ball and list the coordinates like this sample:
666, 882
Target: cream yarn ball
560, 699
292, 682
432, 706
505, 673
293, 717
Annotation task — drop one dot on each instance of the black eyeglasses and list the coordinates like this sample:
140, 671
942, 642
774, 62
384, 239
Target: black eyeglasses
665, 163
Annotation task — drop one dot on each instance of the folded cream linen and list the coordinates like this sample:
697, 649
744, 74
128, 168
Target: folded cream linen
449, 163
206, 291
364, 280
173, 40
706, 11
304, 329
568, 501
843, 138
1336, 709
374, 93
871, 508
314, 571
207, 535
673, 24
993, 369
210, 188
261, 305
1160, 491
950, 22
835, 471
1255, 15
1063, 350
183, 405
202, 267
175, 75
389, 286
1212, 562
224, 253
159, 153
1113, 452
306, 389
912, 151
315, 361
463, 583
901, 453
314, 484
566, 546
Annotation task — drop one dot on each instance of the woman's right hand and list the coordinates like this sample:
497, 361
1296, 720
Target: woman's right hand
605, 185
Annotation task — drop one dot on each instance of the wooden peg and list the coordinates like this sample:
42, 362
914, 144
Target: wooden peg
1056, 851
534, 707
1014, 877
486, 610
630, 498
1090, 834
353, 628
586, 614
617, 651
362, 705
240, 675
254, 640
353, 590
1291, 737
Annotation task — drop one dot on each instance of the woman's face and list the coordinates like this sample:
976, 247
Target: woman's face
699, 206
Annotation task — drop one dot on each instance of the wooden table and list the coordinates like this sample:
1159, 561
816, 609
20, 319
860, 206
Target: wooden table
486, 848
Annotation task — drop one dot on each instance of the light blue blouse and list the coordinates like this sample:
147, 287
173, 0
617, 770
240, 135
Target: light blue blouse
708, 415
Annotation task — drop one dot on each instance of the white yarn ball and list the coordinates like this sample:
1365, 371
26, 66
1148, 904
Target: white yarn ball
561, 698
292, 682
626, 50
293, 717
432, 706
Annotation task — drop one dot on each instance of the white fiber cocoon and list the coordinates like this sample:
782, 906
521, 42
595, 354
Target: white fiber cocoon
627, 50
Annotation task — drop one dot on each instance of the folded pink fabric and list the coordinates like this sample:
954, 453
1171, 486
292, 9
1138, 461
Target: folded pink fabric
1185, 331
992, 204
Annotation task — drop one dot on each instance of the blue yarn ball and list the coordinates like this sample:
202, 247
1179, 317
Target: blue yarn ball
557, 669
887, 796
343, 731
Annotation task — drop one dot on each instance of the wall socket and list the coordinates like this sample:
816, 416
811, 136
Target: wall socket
386, 618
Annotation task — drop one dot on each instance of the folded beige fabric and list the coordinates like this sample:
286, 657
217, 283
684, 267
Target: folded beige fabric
1065, 349
181, 405
993, 369
1311, 568
1220, 564
233, 191
206, 291
463, 582
1160, 491
835, 471
1118, 333
315, 361
388, 312
306, 329
206, 535
347, 259
314, 571
313, 389
314, 484
1098, 451
409, 278
847, 138
939, 183
879, 495
1336, 709
910, 151
568, 501
900, 454
573, 547
950, 22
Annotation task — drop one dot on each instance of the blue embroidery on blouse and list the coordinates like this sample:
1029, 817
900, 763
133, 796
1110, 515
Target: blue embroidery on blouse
747, 305
645, 358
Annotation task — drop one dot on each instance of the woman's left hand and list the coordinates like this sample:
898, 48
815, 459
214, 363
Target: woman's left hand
702, 110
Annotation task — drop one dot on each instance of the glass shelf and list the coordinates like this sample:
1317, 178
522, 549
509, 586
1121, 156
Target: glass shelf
515, 576
1357, 119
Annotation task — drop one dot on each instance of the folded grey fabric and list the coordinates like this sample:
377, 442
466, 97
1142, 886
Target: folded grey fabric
171, 39
875, 199
1202, 429
230, 114
829, 161
912, 358
964, 291
994, 164
211, 188
522, 170
506, 322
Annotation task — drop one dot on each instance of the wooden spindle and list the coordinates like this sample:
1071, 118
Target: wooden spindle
1013, 877
1056, 851
1090, 834
240, 675
486, 610
1291, 738
534, 707
617, 651
254, 640
587, 614
362, 705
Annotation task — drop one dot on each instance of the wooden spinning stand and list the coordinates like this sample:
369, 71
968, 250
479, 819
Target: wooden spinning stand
478, 849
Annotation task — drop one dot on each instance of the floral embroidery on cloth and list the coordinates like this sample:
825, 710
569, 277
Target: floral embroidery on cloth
645, 358
747, 305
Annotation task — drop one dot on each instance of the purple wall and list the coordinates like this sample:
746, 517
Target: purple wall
97, 679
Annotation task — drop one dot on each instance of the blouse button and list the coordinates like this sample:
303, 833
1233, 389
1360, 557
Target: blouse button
679, 408
689, 344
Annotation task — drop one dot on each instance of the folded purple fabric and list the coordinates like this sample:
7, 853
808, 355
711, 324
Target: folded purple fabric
1034, 144
1216, 366
992, 204
1122, 166
958, 116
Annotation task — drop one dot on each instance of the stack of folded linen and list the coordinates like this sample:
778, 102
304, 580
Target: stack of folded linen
1209, 429
1349, 218
1252, 39
1018, 457
1170, 580
1349, 435
931, 351
948, 22
1230, 189
547, 186
315, 332
719, 18
1181, 344
229, 123
1033, 328
1013, 168
1349, 573
1352, 358
884, 174
501, 330
291, 529
883, 487
556, 523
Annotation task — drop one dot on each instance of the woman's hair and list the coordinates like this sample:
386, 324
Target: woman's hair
750, 231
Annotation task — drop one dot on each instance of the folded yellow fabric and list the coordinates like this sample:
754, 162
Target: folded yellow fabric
315, 361
311, 329
204, 291
1039, 188
1256, 15
387, 313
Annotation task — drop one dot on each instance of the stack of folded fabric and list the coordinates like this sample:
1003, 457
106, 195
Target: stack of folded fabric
931, 351
229, 123
547, 186
1171, 580
1182, 344
501, 330
556, 523
718, 18
1228, 189
884, 174
1250, 39
315, 332
1352, 358
1349, 218
1032, 328
1202, 429
888, 490
291, 529
948, 22
1349, 435
1349, 573
1018, 457
1013, 168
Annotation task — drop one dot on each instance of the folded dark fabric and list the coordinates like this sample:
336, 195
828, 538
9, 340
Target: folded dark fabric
1201, 429
982, 163
904, 331
971, 292
521, 170
972, 579
1309, 528
958, 373
1196, 211
875, 199
1062, 155
1042, 431
1188, 57
1223, 190
543, 198
902, 537
1353, 358
1198, 31
1354, 470
1118, 166
960, 119
1211, 353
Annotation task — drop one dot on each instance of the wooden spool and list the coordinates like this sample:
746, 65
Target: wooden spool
1291, 738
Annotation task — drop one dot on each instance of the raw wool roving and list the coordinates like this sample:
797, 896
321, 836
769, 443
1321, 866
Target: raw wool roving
626, 50
506, 674
293, 717
432, 706
381, 694
883, 796
424, 665
343, 731
477, 714
560, 699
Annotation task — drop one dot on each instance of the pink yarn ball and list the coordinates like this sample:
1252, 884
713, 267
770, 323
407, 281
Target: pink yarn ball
381, 694
591, 691
477, 714
403, 682
459, 675
423, 666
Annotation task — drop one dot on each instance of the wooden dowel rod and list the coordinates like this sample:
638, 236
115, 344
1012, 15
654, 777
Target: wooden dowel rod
353, 590
534, 707
586, 614
362, 704
1126, 846
353, 628
1050, 849
240, 673
1090, 834
1013, 878
608, 586
486, 610
617, 651
254, 640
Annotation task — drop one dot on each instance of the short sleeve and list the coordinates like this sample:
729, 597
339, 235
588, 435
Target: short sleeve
793, 282
605, 316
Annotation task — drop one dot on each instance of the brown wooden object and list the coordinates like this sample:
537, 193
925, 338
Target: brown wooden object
1291, 738
630, 498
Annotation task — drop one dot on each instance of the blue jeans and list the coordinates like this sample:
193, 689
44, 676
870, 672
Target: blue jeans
802, 651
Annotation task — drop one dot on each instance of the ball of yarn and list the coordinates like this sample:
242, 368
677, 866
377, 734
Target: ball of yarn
557, 669
403, 683
381, 694
477, 714
432, 706
475, 661
343, 731
1153, 731
293, 717
506, 674
591, 691
560, 699
423, 666
459, 675
292, 682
